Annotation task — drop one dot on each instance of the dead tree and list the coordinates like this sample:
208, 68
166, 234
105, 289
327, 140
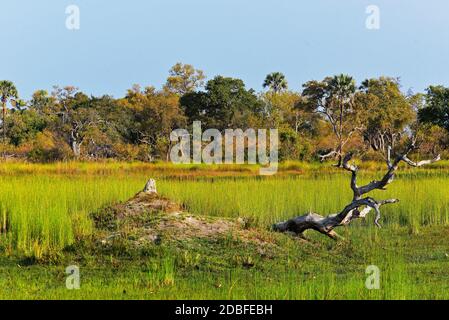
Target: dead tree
360, 205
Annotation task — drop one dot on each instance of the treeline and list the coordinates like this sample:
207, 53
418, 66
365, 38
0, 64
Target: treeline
322, 121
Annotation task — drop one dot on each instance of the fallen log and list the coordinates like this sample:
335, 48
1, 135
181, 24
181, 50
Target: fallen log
360, 205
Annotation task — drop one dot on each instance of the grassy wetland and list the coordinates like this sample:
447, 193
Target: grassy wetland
101, 103
48, 222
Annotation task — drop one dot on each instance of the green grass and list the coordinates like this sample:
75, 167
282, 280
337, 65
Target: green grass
424, 200
46, 210
411, 268
43, 214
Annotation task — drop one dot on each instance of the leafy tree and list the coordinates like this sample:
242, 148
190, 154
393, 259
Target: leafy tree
288, 108
184, 78
432, 139
155, 115
293, 146
43, 103
333, 98
436, 108
76, 116
276, 82
226, 103
302, 120
8, 92
28, 120
386, 112
109, 127
328, 115
23, 125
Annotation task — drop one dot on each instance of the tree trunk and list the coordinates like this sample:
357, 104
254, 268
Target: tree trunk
75, 143
76, 148
4, 119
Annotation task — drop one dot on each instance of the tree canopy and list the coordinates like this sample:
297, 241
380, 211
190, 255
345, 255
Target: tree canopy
325, 120
436, 110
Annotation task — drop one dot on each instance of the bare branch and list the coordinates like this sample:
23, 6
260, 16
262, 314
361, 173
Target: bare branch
359, 207
389, 157
392, 167
420, 163
326, 225
353, 169
351, 132
325, 156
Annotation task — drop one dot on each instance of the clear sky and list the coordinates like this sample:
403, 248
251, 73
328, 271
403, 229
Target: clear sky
136, 41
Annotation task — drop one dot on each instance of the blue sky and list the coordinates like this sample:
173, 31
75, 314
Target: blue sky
136, 41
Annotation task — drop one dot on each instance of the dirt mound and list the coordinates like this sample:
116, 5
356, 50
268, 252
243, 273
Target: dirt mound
149, 218
144, 202
165, 217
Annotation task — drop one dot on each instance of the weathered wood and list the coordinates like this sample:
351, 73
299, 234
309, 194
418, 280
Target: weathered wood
359, 207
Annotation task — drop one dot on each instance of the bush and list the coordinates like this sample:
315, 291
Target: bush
47, 148
129, 152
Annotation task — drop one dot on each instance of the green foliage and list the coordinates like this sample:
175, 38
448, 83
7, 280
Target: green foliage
184, 78
24, 125
226, 103
294, 146
276, 82
436, 110
386, 111
332, 115
154, 114
8, 92
333, 99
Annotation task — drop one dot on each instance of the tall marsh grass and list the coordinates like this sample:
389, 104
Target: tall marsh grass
43, 214
424, 200
44, 208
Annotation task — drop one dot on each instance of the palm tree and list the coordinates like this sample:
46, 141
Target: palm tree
342, 88
8, 92
276, 82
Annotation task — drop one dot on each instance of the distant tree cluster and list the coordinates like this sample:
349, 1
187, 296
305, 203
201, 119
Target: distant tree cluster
323, 120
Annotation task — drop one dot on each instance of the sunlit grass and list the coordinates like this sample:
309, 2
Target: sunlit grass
44, 214
423, 200
45, 208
